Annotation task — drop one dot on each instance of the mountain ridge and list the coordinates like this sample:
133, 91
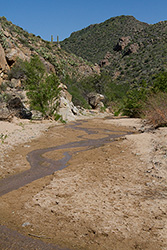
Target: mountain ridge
110, 25
141, 55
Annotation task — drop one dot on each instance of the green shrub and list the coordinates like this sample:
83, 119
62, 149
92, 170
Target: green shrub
42, 89
160, 82
133, 103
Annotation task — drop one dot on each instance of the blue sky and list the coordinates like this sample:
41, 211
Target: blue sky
62, 17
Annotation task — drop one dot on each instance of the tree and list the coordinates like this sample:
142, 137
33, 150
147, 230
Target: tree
42, 88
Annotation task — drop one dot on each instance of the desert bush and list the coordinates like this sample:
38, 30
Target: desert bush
155, 109
160, 82
135, 99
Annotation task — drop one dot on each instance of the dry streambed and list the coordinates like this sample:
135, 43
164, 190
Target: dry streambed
109, 197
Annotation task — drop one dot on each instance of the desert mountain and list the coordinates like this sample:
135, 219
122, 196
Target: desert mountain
128, 49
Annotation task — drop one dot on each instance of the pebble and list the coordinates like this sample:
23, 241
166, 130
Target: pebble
26, 224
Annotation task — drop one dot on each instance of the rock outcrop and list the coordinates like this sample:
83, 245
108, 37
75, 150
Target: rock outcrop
66, 107
133, 48
3, 63
122, 43
13, 53
105, 61
95, 100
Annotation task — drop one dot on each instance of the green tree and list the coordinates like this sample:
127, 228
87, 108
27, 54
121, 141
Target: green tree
42, 88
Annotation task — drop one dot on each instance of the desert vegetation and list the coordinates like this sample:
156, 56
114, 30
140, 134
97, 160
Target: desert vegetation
42, 88
130, 68
128, 50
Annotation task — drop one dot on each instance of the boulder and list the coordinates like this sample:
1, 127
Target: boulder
13, 53
66, 114
36, 115
66, 95
5, 113
86, 70
66, 107
16, 106
95, 100
15, 103
24, 114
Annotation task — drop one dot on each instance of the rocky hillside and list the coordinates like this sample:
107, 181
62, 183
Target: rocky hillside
129, 50
16, 43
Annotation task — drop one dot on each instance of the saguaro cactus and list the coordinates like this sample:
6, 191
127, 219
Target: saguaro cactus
58, 44
52, 38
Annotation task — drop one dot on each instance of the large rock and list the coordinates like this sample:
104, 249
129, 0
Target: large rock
24, 114
122, 43
15, 103
13, 53
3, 63
36, 115
66, 107
16, 106
87, 70
66, 95
95, 100
104, 62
